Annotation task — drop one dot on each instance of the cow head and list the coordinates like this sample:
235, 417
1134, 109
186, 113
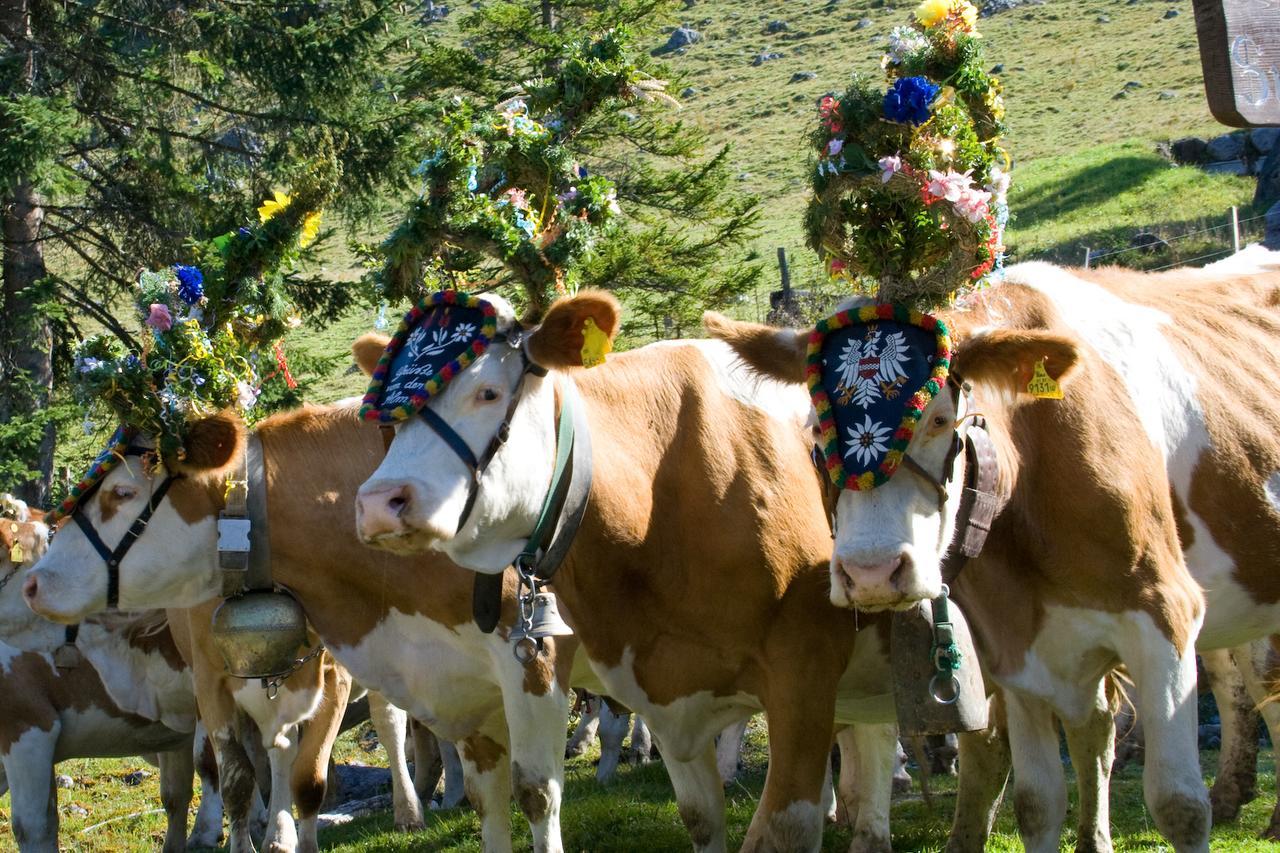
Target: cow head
22, 542
889, 541
418, 497
174, 563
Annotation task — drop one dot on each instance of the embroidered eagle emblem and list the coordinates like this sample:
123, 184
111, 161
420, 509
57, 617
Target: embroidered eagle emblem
869, 369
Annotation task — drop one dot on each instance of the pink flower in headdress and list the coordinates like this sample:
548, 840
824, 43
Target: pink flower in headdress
889, 166
160, 319
517, 197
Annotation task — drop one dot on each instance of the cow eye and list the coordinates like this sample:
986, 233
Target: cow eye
124, 492
487, 395
940, 421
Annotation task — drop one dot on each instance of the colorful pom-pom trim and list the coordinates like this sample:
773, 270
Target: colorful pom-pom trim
102, 466
915, 406
369, 409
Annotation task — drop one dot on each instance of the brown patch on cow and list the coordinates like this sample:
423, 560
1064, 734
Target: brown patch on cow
538, 676
768, 350
150, 638
1006, 358
531, 792
701, 829
557, 342
28, 535
368, 350
482, 751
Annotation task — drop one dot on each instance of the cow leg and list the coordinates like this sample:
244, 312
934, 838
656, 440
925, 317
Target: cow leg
1236, 782
487, 779
700, 798
427, 764
1039, 784
208, 829
1166, 687
873, 747
1256, 667
585, 733
391, 723
1091, 743
641, 748
237, 783
33, 799
984, 770
177, 768
846, 791
613, 729
537, 735
829, 804
309, 770
282, 833
728, 750
455, 788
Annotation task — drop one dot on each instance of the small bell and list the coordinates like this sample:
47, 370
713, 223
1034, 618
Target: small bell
544, 620
67, 656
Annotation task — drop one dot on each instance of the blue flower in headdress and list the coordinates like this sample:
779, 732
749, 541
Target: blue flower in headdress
472, 183
909, 99
190, 283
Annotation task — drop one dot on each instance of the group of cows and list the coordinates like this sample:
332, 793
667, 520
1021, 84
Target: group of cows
714, 575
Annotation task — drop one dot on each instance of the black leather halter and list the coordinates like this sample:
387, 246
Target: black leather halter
114, 556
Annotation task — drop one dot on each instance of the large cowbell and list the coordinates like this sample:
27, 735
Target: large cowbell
933, 696
543, 619
871, 371
259, 633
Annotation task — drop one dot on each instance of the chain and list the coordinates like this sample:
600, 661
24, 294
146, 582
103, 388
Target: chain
526, 648
272, 684
945, 653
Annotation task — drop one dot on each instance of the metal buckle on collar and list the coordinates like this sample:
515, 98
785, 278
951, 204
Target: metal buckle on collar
233, 534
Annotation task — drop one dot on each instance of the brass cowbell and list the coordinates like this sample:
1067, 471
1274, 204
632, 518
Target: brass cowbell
544, 620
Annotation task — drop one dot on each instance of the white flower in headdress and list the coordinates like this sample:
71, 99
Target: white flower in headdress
464, 331
867, 441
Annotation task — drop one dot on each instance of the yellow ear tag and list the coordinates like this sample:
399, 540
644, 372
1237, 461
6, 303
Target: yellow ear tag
16, 554
595, 344
1042, 385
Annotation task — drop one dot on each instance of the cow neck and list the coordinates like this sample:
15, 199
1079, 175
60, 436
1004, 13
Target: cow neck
244, 536
561, 513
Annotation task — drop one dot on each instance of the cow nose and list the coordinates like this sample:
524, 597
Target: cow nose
381, 511
874, 581
30, 588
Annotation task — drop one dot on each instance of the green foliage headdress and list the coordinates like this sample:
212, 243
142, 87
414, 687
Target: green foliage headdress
909, 185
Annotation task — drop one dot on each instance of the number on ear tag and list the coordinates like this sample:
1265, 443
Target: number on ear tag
16, 554
595, 344
1042, 385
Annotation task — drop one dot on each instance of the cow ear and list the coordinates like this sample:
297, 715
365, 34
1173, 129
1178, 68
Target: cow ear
768, 350
1006, 359
558, 340
367, 349
212, 443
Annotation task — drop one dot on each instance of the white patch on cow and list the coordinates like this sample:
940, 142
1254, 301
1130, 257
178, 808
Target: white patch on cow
437, 674
291, 706
92, 731
799, 827
780, 400
1130, 338
1254, 258
1272, 490
686, 725
8, 654
1074, 648
139, 682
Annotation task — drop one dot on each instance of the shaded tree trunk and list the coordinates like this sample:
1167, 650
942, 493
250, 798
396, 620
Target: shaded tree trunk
26, 339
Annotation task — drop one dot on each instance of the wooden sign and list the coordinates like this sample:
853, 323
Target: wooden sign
1240, 53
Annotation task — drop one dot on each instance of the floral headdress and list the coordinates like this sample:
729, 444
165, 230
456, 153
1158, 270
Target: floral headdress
909, 185
207, 329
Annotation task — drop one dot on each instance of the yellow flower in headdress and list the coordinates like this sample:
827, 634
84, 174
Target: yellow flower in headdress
966, 13
272, 206
930, 13
310, 229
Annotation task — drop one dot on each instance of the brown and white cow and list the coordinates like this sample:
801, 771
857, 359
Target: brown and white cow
697, 582
1163, 457
401, 626
126, 692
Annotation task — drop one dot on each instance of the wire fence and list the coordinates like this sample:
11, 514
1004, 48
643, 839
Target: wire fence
1232, 234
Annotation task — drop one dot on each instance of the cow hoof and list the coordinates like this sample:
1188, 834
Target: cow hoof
412, 825
200, 840
866, 843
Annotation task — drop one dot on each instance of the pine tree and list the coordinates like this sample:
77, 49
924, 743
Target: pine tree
129, 128
679, 245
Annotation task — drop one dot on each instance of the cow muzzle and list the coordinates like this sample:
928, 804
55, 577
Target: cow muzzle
391, 516
44, 595
877, 582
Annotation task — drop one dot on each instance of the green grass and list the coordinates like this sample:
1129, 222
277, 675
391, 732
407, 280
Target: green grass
636, 813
